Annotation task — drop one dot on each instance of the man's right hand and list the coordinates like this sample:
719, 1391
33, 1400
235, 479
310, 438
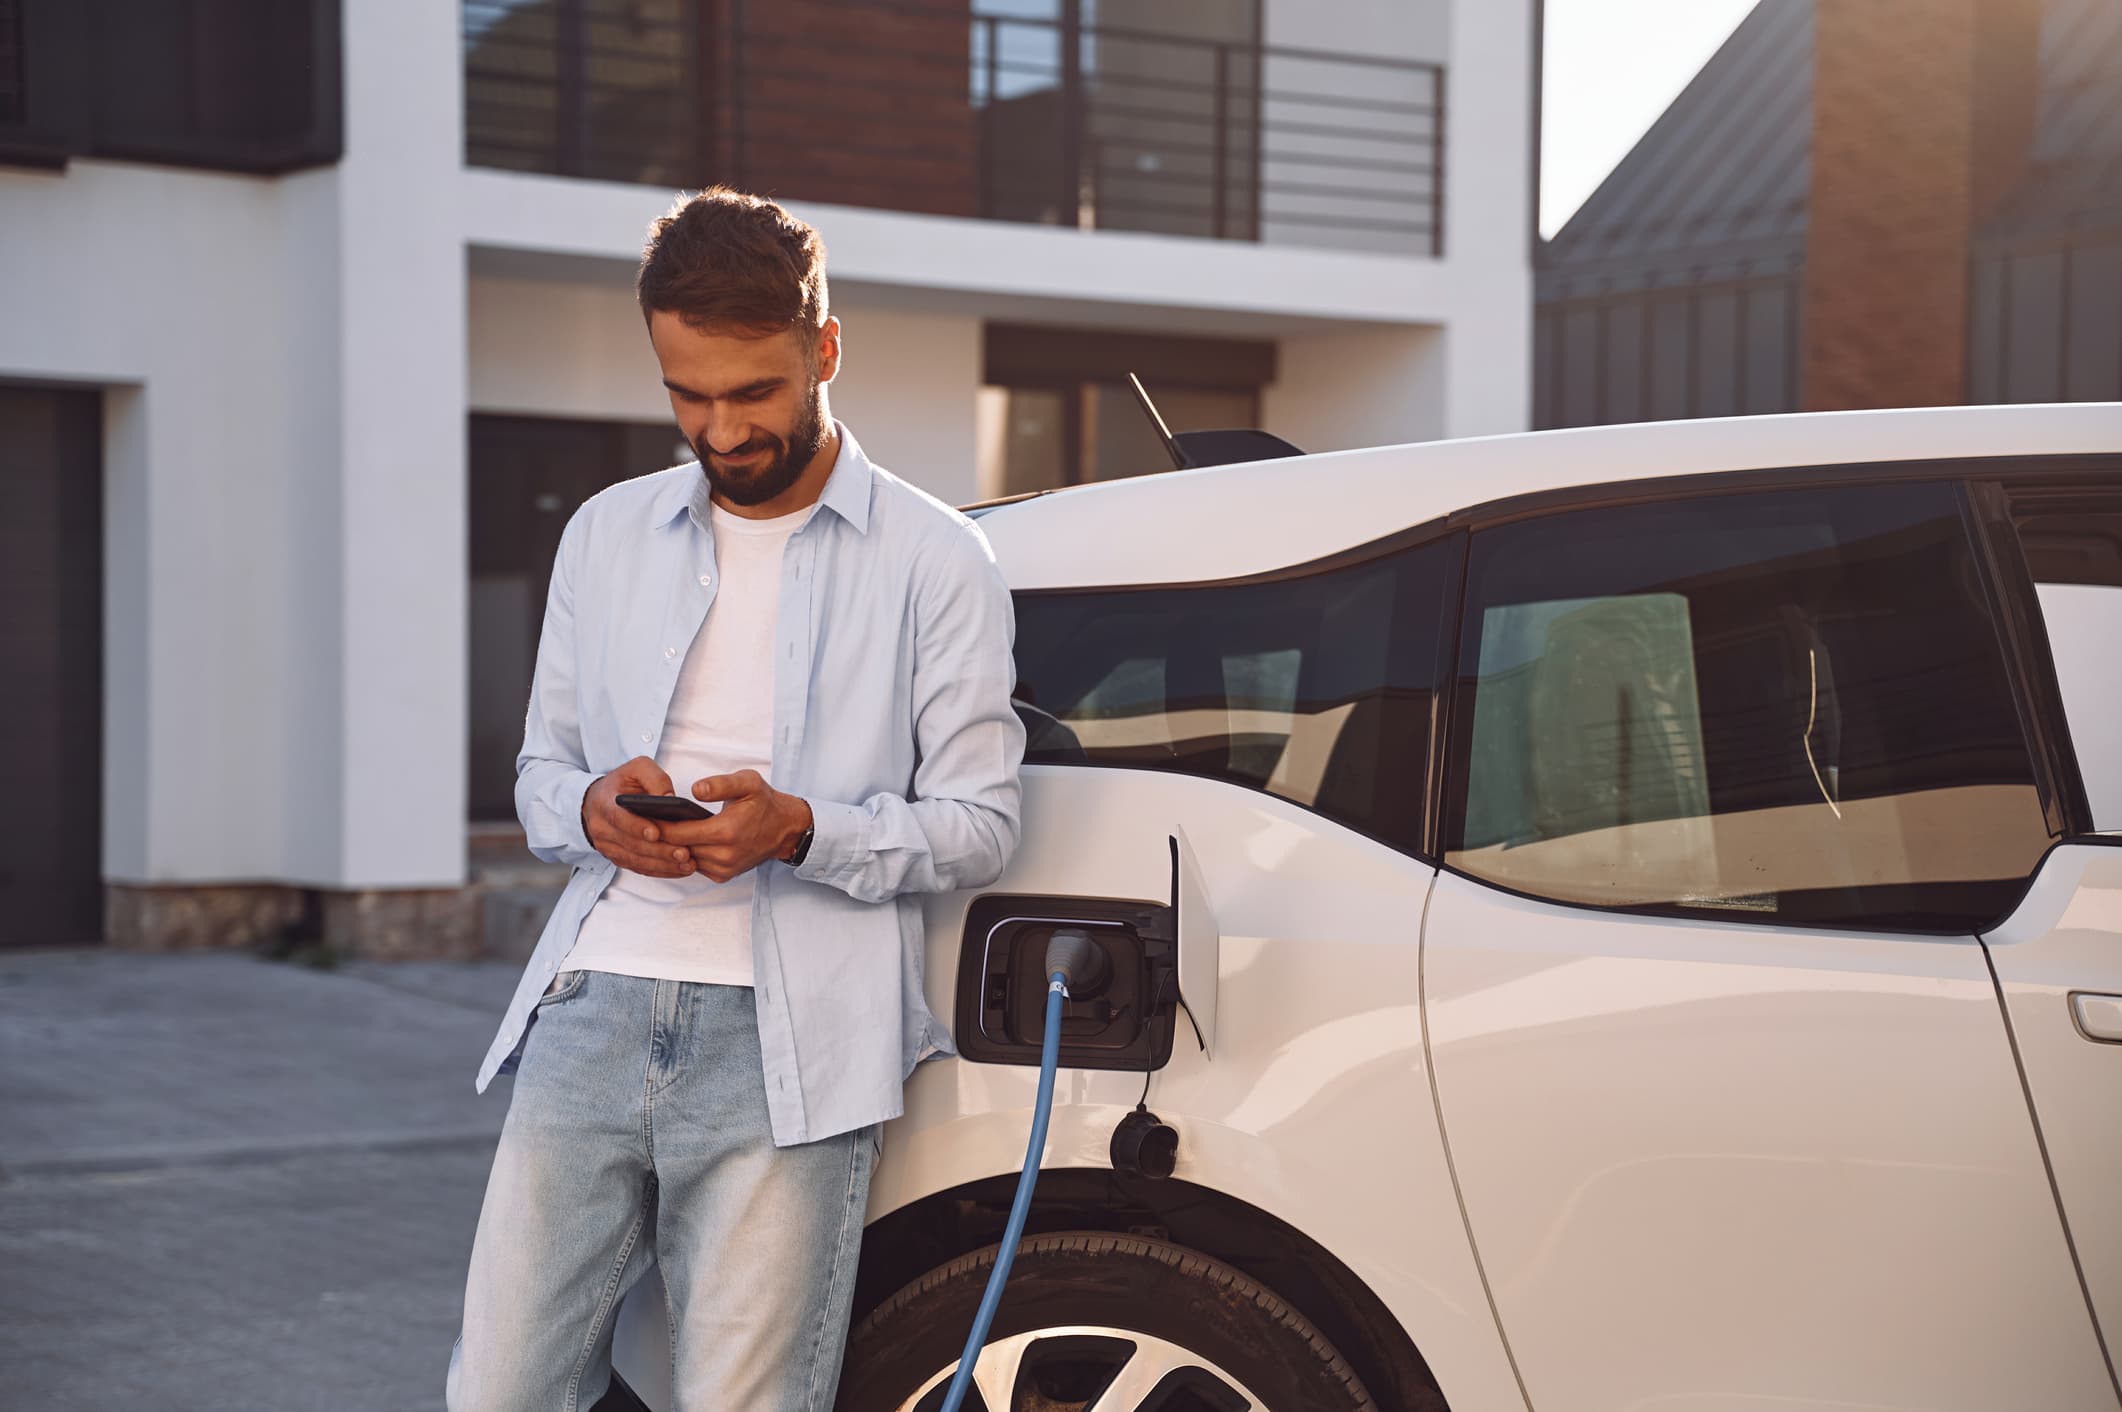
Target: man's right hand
629, 840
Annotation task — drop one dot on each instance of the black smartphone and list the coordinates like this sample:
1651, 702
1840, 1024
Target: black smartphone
671, 808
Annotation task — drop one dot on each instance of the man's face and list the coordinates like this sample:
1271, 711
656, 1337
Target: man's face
750, 406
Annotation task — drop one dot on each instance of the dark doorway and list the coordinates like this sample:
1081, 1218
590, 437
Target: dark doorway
528, 474
51, 656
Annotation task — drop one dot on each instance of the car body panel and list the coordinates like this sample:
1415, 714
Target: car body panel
1316, 1105
1730, 1166
2063, 945
1225, 521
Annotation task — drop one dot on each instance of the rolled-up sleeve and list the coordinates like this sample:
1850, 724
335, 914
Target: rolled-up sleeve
552, 772
961, 824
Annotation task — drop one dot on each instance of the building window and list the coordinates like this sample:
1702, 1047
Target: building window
1055, 408
232, 85
1786, 707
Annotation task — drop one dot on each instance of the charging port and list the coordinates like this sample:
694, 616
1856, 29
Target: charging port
1111, 1020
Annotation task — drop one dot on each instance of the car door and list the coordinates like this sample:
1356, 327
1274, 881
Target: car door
2058, 956
1734, 780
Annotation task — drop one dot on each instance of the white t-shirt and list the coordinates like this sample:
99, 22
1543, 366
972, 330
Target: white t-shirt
721, 719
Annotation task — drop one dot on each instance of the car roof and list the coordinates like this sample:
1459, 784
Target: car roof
1225, 521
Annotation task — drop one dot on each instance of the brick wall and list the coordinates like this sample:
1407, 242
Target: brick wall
842, 101
1921, 114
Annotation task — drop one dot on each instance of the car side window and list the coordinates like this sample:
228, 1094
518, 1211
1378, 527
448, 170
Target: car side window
1314, 685
1785, 707
2071, 539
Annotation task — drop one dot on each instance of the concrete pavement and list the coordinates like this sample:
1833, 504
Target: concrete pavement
232, 1183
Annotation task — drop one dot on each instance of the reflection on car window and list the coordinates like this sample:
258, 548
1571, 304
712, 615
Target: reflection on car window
1785, 706
1315, 687
2072, 540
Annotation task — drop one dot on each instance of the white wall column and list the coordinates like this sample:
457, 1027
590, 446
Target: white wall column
401, 652
1486, 377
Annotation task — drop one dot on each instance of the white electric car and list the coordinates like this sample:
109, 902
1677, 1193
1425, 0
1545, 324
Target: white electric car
1624, 918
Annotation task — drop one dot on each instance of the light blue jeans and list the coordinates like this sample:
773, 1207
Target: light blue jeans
637, 1134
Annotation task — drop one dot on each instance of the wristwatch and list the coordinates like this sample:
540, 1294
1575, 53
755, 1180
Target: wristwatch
802, 846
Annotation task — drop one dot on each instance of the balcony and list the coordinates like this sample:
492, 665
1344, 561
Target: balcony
941, 109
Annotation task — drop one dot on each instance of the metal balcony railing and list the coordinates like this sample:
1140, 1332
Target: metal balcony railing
926, 107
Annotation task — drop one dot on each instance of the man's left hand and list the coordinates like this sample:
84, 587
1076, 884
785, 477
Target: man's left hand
757, 822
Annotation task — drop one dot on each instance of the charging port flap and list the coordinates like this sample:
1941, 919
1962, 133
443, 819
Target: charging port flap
1199, 942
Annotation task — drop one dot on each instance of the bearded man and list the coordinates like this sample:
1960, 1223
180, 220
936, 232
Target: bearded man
721, 1012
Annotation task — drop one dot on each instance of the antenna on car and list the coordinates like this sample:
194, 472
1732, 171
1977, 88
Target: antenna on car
1190, 449
1164, 433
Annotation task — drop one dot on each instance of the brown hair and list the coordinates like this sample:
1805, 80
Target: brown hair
723, 258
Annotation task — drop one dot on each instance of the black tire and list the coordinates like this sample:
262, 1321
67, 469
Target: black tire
1240, 1332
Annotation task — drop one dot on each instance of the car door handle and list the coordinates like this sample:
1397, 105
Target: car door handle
2098, 1016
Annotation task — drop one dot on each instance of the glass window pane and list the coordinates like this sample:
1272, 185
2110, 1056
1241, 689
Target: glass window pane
2073, 546
1786, 706
1314, 688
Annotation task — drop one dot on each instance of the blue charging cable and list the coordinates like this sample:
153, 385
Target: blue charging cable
1070, 953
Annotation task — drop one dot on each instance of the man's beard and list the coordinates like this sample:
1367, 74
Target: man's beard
783, 469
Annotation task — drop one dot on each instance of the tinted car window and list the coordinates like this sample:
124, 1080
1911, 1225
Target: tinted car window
1784, 707
1315, 687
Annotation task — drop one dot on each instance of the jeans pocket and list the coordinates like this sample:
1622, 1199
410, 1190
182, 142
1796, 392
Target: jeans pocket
565, 986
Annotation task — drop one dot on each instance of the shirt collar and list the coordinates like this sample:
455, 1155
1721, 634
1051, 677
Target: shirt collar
846, 490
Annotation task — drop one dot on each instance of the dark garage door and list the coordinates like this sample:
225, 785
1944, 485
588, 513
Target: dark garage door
51, 661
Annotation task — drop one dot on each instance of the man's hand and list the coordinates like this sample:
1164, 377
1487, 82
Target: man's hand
623, 836
757, 822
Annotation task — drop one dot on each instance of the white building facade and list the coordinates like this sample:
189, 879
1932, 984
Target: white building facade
293, 437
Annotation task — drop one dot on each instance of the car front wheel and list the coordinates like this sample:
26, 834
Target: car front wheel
1093, 1322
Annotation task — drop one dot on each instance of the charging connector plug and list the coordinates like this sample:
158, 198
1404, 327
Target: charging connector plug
1081, 963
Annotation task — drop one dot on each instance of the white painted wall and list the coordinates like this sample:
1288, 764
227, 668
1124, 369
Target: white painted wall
558, 348
180, 290
285, 536
1364, 387
906, 389
956, 262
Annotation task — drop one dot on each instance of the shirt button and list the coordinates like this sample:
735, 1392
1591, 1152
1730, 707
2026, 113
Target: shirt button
647, 736
670, 652
706, 579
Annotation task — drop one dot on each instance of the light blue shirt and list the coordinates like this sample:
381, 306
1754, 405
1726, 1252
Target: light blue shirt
893, 670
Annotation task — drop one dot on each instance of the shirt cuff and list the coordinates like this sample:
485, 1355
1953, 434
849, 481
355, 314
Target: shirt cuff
837, 840
572, 792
